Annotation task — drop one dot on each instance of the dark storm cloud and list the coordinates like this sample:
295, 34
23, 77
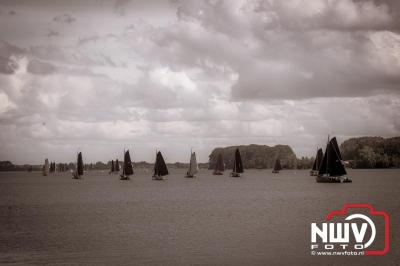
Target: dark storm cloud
8, 64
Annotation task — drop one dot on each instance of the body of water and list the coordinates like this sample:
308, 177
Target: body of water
258, 219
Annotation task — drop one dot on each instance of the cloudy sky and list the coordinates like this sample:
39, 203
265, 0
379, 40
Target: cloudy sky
101, 76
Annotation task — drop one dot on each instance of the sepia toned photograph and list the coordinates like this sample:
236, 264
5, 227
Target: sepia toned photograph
200, 132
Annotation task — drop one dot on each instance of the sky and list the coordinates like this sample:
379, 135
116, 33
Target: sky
102, 76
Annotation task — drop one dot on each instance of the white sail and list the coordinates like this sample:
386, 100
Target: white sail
193, 168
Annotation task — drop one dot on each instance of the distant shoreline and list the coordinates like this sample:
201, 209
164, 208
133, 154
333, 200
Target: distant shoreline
360, 153
149, 166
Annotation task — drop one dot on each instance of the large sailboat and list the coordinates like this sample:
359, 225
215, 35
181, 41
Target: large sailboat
160, 168
45, 170
317, 162
193, 167
331, 169
277, 166
237, 165
127, 169
79, 167
219, 166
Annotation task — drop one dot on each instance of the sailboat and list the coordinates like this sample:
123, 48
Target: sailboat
193, 167
51, 167
331, 169
317, 162
277, 166
116, 165
112, 167
160, 168
237, 165
79, 167
219, 166
46, 167
127, 169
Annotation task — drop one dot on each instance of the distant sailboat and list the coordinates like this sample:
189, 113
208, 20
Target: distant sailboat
160, 168
331, 169
51, 168
116, 165
112, 170
127, 169
317, 162
193, 167
46, 167
277, 166
219, 166
237, 165
79, 167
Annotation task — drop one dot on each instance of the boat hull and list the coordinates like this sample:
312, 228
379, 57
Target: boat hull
124, 177
159, 178
331, 179
218, 173
189, 176
347, 180
76, 176
275, 171
313, 173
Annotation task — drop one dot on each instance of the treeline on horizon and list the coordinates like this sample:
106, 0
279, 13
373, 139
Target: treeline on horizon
372, 152
363, 152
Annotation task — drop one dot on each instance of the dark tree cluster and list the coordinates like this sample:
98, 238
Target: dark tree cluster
372, 152
256, 156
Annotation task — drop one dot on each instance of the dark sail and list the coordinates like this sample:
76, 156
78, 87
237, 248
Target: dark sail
323, 169
318, 160
335, 148
155, 165
320, 155
219, 166
238, 165
79, 167
128, 169
112, 166
277, 166
331, 164
160, 168
314, 166
117, 165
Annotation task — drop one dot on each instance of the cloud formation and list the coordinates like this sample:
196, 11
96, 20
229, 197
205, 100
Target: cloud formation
202, 74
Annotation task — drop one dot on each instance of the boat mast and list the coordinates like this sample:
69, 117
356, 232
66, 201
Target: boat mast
327, 156
123, 165
190, 161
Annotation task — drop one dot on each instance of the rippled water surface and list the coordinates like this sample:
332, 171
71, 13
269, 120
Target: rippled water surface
259, 219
